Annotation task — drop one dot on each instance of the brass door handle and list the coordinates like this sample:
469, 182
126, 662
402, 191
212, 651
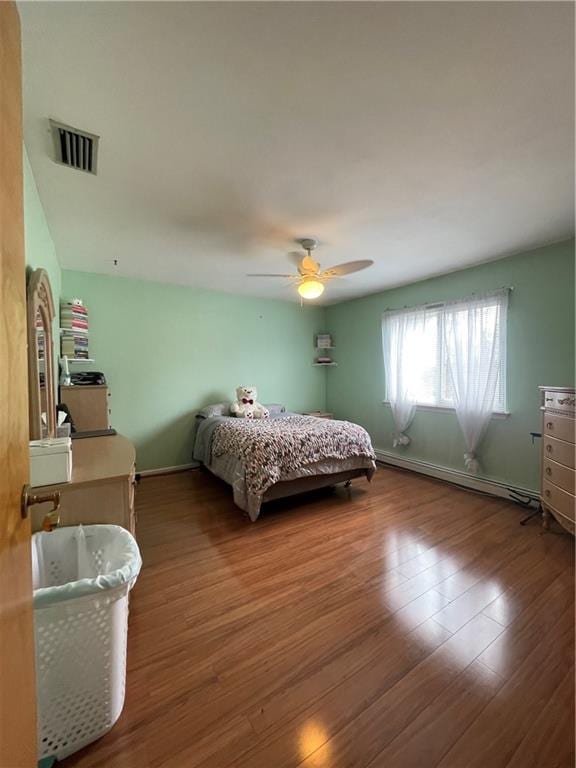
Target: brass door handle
28, 499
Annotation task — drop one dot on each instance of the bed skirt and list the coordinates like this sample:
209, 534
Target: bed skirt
307, 478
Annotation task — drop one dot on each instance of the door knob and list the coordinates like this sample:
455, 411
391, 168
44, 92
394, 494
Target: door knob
28, 499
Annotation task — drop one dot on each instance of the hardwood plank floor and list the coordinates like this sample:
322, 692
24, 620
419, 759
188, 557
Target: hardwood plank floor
406, 624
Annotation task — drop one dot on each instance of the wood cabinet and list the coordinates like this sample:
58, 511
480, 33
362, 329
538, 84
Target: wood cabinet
558, 456
88, 405
102, 485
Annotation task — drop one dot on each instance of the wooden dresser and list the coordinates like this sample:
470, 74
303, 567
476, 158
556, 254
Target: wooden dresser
102, 485
558, 455
88, 405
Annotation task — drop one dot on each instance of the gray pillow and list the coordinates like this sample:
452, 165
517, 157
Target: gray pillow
275, 408
217, 409
223, 409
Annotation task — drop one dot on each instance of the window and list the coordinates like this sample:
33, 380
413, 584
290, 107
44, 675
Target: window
420, 342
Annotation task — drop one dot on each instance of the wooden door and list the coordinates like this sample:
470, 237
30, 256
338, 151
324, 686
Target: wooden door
17, 685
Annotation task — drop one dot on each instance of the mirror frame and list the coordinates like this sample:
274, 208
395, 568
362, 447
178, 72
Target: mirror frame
39, 299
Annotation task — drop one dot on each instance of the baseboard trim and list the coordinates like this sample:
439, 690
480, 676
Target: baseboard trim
169, 470
454, 476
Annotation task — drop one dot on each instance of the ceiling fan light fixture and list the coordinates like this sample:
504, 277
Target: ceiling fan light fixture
309, 281
310, 288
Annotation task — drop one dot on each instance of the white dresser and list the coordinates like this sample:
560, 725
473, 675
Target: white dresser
558, 453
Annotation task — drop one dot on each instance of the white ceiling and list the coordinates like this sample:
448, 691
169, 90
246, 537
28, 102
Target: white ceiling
425, 136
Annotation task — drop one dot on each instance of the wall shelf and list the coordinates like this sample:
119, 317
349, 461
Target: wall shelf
322, 343
74, 340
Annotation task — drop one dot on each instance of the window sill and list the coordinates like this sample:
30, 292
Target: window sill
447, 409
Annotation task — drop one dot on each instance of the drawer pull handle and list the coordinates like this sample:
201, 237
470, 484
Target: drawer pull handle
548, 471
549, 399
547, 493
549, 448
549, 425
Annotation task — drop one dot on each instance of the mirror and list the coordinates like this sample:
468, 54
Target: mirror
41, 383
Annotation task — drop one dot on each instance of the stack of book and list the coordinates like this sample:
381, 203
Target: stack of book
39, 337
74, 329
324, 341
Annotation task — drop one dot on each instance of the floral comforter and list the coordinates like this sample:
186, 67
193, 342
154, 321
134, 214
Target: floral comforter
272, 448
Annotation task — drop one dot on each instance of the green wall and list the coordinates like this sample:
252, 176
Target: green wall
38, 244
168, 350
39, 250
540, 351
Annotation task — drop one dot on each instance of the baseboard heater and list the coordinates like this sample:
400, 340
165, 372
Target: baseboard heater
169, 470
520, 495
516, 493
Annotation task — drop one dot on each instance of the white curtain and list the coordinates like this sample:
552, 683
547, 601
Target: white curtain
402, 336
474, 343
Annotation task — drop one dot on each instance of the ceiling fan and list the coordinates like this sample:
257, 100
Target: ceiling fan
310, 280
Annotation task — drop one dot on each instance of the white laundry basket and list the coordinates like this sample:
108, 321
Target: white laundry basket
82, 576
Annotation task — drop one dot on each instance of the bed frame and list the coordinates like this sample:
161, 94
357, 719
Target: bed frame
285, 488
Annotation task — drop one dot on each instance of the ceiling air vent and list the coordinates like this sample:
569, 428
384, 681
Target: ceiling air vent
74, 148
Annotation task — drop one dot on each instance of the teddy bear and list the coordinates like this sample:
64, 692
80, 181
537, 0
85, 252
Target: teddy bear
246, 405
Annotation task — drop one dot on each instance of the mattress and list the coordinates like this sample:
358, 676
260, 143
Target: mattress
256, 458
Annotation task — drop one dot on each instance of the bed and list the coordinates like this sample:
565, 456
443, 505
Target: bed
287, 454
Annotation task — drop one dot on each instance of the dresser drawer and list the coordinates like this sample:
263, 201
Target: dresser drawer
560, 401
559, 499
560, 427
560, 475
558, 450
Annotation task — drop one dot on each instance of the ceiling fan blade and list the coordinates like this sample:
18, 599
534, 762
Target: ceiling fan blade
295, 257
347, 268
308, 265
277, 274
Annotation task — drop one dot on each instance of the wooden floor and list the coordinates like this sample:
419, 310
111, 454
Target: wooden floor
409, 625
